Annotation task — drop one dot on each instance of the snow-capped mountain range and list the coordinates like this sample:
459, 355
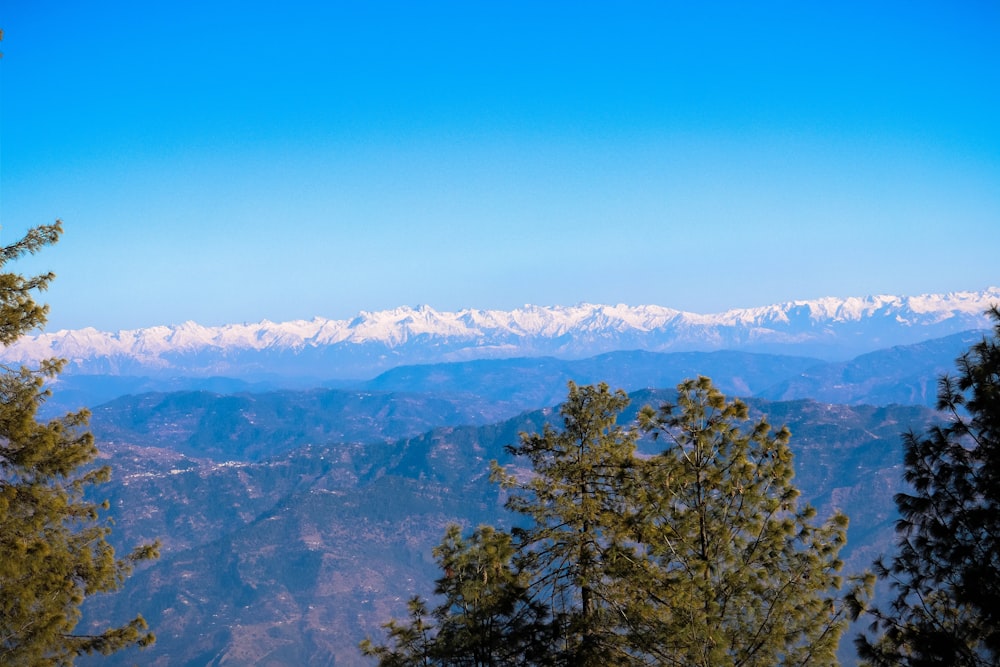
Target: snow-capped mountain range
832, 328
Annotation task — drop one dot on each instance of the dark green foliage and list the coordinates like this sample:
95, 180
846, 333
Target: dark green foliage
413, 642
698, 555
18, 311
945, 575
575, 499
485, 619
53, 547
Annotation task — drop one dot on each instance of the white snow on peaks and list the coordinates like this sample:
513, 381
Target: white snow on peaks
419, 335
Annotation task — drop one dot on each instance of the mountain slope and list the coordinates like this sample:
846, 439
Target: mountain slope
294, 559
541, 381
250, 427
903, 374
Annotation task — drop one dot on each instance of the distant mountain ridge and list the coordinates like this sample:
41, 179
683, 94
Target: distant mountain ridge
831, 328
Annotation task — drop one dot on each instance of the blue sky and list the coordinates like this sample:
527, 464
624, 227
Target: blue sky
234, 161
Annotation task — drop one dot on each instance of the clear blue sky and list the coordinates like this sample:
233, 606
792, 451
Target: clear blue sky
233, 161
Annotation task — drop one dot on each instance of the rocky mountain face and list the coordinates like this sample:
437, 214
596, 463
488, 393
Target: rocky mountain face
832, 328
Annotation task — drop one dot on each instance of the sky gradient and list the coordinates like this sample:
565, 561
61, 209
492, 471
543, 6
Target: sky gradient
237, 161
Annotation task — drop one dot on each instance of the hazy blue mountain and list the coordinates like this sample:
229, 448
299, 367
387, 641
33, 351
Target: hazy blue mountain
252, 426
541, 381
248, 426
493, 388
294, 558
904, 374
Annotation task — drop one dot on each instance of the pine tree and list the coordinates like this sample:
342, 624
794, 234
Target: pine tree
574, 500
945, 574
736, 573
411, 642
699, 555
485, 618
54, 551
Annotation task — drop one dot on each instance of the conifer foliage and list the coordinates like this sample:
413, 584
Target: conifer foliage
485, 617
945, 574
736, 572
574, 502
696, 555
54, 551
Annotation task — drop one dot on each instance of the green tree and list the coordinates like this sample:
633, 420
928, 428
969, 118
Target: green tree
487, 618
54, 551
411, 643
945, 574
736, 572
549, 597
698, 555
484, 619
575, 499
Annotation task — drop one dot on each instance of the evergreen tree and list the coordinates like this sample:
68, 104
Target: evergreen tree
945, 575
411, 643
485, 618
698, 555
574, 500
53, 545
736, 573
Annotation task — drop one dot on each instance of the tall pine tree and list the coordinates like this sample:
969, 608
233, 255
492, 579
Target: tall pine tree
698, 555
575, 499
945, 574
736, 571
54, 551
542, 594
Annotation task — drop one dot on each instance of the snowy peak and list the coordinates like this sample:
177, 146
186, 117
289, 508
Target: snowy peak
373, 341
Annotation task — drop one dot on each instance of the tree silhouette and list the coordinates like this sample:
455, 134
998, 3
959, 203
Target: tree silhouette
945, 574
